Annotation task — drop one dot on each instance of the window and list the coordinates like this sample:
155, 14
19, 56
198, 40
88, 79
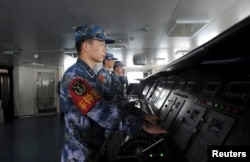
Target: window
68, 61
133, 77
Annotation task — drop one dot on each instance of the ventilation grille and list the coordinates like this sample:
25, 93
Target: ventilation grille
185, 28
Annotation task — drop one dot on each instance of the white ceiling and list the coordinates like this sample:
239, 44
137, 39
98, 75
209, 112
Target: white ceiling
46, 27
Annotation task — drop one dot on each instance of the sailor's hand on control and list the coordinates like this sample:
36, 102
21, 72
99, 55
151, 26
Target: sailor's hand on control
152, 118
154, 129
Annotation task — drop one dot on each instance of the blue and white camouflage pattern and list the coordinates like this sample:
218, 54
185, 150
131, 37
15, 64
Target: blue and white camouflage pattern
109, 56
124, 80
105, 77
118, 63
117, 87
87, 31
84, 134
119, 82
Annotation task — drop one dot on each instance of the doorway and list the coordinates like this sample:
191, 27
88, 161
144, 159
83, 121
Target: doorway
46, 91
6, 94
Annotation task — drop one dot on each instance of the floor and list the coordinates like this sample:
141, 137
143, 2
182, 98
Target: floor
33, 139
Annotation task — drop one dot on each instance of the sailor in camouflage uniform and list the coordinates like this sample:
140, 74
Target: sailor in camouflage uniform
104, 75
117, 81
87, 115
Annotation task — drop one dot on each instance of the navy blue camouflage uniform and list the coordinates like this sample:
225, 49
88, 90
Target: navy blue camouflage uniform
84, 134
119, 83
117, 87
105, 78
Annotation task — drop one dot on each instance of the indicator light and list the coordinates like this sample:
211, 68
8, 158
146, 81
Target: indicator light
216, 105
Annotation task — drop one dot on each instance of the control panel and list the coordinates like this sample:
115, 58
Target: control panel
202, 99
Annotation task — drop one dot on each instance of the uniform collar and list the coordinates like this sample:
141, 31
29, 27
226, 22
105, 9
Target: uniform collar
83, 64
105, 69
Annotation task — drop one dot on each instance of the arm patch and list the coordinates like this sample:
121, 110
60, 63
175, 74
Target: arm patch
83, 95
101, 78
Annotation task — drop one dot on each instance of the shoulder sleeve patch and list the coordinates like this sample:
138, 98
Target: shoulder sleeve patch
101, 78
83, 95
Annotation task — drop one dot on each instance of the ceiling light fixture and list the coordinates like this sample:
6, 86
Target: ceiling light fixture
36, 56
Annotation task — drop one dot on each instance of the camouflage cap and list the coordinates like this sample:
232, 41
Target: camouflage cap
118, 63
109, 56
86, 32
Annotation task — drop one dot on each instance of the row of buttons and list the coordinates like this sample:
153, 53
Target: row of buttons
218, 106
